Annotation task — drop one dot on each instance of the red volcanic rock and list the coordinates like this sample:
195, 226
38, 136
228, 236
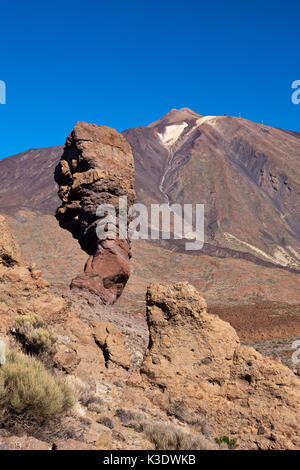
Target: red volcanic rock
107, 271
96, 168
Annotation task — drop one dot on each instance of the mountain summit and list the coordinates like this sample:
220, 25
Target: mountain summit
176, 116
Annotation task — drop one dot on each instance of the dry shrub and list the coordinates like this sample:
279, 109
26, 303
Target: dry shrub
85, 392
106, 421
29, 392
129, 416
178, 409
33, 334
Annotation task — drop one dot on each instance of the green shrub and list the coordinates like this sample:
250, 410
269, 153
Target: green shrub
230, 442
29, 392
33, 334
30, 319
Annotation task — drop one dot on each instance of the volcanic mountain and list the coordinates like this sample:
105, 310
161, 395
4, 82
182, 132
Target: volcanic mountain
245, 174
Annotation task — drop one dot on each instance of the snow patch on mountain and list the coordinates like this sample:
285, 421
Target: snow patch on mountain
203, 119
172, 133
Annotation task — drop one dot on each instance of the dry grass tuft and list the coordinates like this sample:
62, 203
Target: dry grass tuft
171, 437
33, 334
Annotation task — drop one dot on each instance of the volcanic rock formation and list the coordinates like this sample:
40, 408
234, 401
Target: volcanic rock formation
197, 360
96, 168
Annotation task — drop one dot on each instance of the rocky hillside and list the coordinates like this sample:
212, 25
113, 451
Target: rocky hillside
260, 302
193, 384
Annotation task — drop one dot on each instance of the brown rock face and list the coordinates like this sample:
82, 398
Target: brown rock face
197, 358
23, 291
96, 168
111, 342
10, 253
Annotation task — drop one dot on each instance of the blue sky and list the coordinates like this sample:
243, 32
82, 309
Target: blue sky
126, 63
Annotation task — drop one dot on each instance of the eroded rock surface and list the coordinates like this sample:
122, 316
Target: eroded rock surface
97, 168
197, 359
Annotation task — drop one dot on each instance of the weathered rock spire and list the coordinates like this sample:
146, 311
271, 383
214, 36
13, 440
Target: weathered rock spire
97, 167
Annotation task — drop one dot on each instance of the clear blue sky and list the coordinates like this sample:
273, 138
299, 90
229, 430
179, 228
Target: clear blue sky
126, 63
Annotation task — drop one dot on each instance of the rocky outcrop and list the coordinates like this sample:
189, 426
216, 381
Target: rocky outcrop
111, 342
97, 168
195, 373
23, 291
197, 359
10, 253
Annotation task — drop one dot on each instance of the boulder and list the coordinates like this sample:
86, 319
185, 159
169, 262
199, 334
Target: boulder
197, 359
111, 341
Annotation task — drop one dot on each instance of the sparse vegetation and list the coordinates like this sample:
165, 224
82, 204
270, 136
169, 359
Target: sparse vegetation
127, 416
170, 437
69, 304
179, 410
83, 391
30, 393
106, 421
167, 436
33, 334
231, 443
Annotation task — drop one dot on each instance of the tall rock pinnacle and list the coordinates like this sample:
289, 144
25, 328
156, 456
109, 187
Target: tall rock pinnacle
97, 167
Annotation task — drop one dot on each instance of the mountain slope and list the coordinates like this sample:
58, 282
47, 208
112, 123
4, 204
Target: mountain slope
246, 175
27, 181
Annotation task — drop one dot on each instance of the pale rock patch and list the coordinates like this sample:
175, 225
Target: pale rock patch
172, 133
